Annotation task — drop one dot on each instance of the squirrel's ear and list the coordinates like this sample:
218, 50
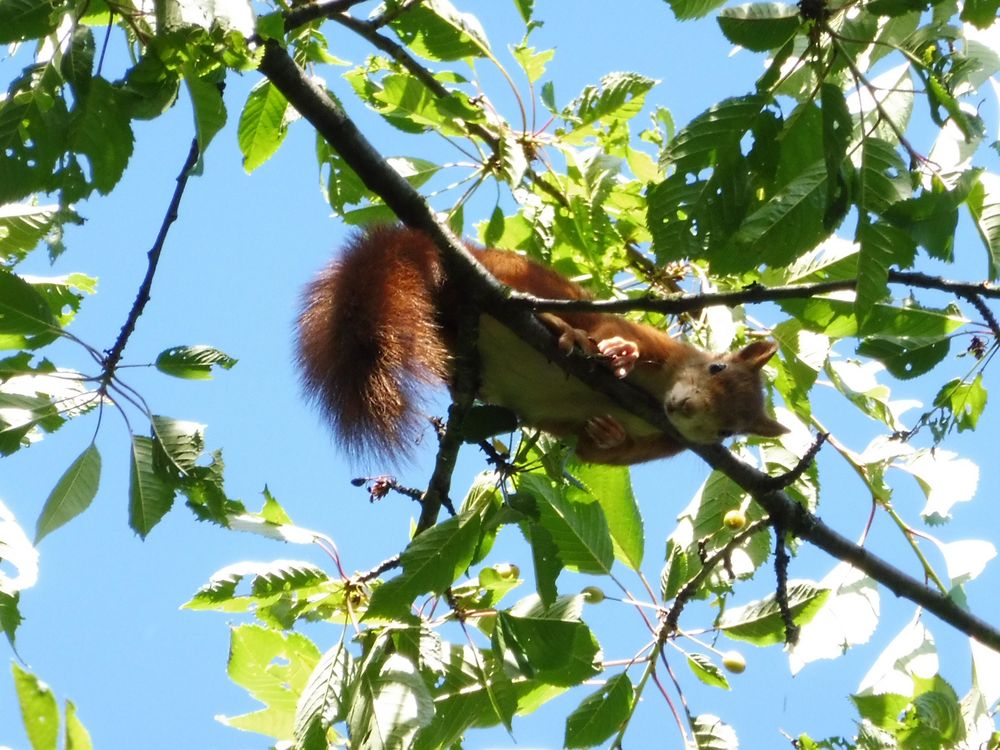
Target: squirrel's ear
758, 353
767, 427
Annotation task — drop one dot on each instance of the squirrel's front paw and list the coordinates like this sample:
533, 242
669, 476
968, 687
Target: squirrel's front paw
621, 353
605, 432
570, 338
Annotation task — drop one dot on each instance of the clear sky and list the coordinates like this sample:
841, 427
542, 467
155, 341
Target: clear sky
103, 626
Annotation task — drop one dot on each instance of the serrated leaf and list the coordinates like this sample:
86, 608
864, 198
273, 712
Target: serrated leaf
101, 130
848, 618
611, 487
791, 222
77, 736
23, 226
688, 9
265, 580
182, 442
618, 97
17, 552
600, 714
193, 362
321, 703
23, 311
263, 124
436, 30
759, 26
707, 671
39, 710
150, 491
27, 19
964, 401
984, 205
391, 703
209, 108
274, 668
550, 643
73, 493
883, 176
578, 529
881, 246
711, 733
761, 623
431, 562
945, 480
980, 13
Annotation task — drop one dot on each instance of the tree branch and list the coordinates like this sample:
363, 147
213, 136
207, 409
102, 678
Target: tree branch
334, 125
114, 354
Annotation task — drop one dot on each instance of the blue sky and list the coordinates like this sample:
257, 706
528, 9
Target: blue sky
103, 626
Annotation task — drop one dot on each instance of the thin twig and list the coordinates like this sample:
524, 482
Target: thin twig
142, 297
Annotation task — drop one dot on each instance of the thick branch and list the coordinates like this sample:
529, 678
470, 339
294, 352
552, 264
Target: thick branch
333, 124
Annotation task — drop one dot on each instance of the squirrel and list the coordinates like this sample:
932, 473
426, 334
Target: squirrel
378, 326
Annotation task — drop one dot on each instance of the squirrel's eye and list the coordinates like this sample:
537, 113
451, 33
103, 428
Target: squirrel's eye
723, 434
716, 367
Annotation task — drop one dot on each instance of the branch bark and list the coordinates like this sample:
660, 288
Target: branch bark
334, 125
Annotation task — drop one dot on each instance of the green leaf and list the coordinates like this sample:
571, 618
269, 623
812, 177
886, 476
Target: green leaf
209, 108
150, 491
263, 124
23, 310
980, 13
579, 529
759, 26
791, 222
611, 487
711, 733
390, 705
761, 623
39, 711
618, 98
77, 736
601, 714
931, 217
883, 176
431, 563
963, 400
193, 362
707, 671
321, 704
23, 226
525, 8
550, 643
532, 62
436, 30
73, 493
101, 130
16, 551
984, 205
881, 246
182, 442
274, 667
688, 9
21, 20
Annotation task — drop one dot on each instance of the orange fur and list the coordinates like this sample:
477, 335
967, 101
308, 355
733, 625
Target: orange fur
375, 330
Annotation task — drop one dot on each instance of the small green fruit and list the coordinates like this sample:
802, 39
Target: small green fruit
735, 519
592, 595
507, 571
734, 662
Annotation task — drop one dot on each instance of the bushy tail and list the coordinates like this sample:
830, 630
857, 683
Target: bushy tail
369, 339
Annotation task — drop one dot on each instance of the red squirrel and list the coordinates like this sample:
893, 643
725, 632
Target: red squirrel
378, 325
